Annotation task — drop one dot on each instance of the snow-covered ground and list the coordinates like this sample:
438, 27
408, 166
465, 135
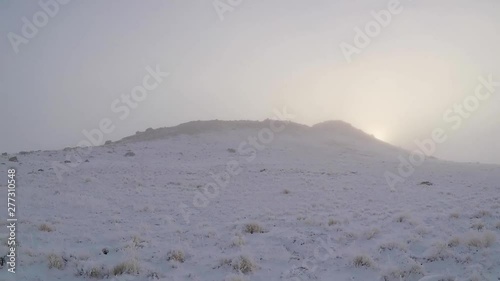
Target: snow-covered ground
196, 203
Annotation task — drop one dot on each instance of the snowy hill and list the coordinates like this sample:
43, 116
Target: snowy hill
248, 200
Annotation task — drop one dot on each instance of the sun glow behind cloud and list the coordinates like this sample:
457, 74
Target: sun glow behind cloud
384, 96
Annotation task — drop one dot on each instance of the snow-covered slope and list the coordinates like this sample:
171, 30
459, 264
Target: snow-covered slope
245, 200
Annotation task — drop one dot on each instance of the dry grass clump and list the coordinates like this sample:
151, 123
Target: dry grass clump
127, 267
176, 255
402, 218
416, 269
370, 234
422, 231
137, 242
45, 227
454, 242
475, 242
478, 226
94, 272
397, 274
224, 262
55, 261
97, 272
438, 252
244, 265
238, 241
389, 246
363, 261
481, 214
253, 228
483, 240
333, 222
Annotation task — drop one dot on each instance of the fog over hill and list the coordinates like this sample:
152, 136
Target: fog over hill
324, 131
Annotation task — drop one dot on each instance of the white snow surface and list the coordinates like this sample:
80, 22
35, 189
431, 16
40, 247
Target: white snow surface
318, 194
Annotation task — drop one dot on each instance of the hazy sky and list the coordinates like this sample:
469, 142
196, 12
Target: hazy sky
262, 55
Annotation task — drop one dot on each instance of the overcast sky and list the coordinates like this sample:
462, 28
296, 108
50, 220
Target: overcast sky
236, 59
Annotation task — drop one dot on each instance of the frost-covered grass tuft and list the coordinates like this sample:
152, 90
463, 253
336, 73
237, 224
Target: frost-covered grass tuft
438, 252
454, 242
55, 261
97, 272
481, 240
46, 227
127, 267
408, 272
363, 261
370, 234
137, 242
422, 231
390, 246
253, 228
478, 226
402, 218
238, 240
176, 255
92, 271
244, 265
481, 214
333, 222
